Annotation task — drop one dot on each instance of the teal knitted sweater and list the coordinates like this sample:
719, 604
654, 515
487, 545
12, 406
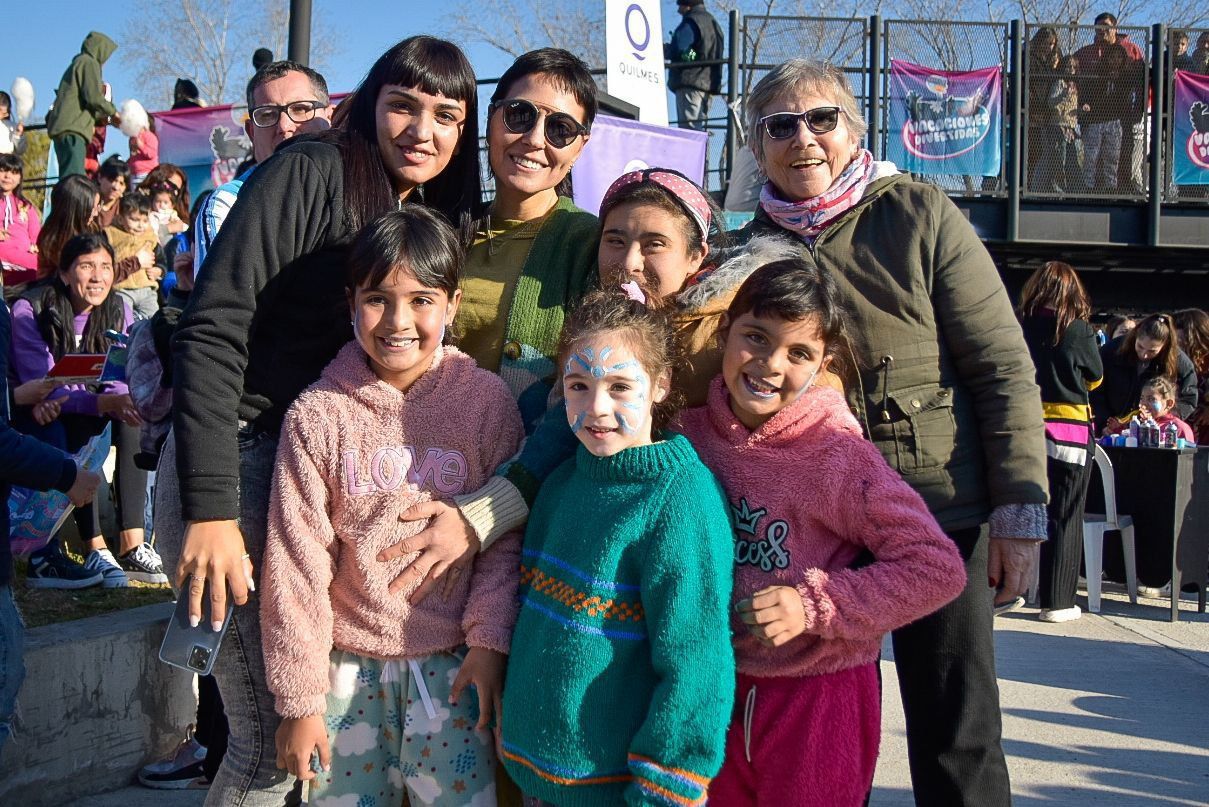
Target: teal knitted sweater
621, 677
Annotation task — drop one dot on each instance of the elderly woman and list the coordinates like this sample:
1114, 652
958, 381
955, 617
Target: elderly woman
71, 313
946, 391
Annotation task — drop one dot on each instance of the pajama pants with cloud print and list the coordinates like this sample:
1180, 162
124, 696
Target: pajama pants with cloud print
393, 730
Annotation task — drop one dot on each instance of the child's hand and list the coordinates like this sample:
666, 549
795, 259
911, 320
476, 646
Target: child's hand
3, 235
297, 739
485, 669
774, 615
146, 258
84, 489
44, 413
154, 272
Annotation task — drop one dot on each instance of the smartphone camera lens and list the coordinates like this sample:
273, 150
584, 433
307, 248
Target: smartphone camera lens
199, 657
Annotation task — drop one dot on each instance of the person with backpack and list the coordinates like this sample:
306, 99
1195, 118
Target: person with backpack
697, 38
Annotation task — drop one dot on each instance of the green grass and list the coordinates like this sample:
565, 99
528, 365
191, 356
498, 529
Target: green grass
47, 606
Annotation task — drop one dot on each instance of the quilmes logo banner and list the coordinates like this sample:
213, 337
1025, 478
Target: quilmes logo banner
1191, 140
634, 49
945, 121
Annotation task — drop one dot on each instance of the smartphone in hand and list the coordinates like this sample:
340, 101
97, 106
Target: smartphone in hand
193, 649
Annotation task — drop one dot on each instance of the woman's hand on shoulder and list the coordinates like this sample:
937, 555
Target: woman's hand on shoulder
774, 615
485, 670
298, 738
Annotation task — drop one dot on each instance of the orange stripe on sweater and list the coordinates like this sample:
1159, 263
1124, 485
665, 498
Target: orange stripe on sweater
597, 780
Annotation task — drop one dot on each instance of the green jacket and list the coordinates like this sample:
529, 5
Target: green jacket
80, 100
946, 385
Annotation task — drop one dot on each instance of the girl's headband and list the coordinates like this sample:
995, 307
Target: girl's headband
682, 189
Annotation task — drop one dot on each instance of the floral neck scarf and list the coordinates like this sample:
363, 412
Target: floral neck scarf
810, 217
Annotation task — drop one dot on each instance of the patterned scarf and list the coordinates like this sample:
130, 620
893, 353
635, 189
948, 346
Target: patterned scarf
810, 217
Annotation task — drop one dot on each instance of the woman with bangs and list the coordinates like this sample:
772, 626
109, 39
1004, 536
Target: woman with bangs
268, 313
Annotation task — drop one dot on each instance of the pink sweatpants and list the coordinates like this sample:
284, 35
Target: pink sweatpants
801, 742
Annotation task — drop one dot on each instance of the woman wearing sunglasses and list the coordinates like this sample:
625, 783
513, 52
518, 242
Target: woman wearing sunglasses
946, 391
534, 251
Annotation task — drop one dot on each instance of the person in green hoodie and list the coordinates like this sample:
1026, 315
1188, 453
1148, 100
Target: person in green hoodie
80, 104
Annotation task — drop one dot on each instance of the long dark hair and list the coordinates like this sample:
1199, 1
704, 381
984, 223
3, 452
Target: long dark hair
11, 162
1160, 328
564, 70
1056, 286
1193, 327
56, 321
436, 67
71, 204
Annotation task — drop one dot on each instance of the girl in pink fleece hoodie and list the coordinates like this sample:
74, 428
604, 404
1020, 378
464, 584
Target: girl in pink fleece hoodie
832, 549
370, 683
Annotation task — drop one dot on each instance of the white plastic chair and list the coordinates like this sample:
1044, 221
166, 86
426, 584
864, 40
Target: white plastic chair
1094, 527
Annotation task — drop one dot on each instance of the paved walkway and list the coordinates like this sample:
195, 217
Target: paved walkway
1111, 710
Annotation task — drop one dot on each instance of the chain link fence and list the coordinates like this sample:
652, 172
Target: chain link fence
945, 45
1087, 111
1188, 50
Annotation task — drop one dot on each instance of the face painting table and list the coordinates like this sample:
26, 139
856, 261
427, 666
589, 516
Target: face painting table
1166, 491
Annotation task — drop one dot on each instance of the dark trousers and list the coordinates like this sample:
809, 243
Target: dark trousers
130, 480
70, 152
946, 673
1061, 553
212, 727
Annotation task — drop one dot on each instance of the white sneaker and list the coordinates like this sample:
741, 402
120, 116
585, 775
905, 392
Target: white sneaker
1060, 614
102, 560
144, 565
1155, 593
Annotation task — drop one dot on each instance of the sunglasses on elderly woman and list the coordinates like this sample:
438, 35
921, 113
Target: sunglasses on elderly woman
520, 116
783, 125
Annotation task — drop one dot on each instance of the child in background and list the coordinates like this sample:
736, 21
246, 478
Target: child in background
1158, 399
1064, 101
621, 677
12, 140
144, 143
812, 501
131, 235
19, 226
113, 178
165, 220
398, 417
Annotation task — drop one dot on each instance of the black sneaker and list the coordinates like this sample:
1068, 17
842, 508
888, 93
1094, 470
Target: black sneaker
143, 564
180, 769
51, 568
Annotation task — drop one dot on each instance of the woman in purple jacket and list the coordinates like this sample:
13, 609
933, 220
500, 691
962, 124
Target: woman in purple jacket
71, 314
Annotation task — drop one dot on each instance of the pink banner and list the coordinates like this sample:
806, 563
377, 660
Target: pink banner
209, 144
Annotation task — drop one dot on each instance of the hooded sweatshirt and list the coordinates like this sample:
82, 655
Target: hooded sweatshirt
355, 452
809, 494
80, 100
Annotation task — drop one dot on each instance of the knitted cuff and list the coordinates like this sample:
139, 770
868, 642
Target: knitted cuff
1026, 522
494, 509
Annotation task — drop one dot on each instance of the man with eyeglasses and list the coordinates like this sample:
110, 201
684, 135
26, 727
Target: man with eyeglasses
284, 99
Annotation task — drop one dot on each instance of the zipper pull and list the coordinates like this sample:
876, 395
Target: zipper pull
887, 360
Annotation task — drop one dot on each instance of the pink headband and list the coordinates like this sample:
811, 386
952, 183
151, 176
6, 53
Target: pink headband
682, 189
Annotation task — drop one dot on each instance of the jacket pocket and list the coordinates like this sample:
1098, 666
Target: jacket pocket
920, 434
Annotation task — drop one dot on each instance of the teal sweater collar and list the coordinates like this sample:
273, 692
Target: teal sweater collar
639, 463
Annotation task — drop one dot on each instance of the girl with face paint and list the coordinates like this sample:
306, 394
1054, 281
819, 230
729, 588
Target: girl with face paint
809, 494
399, 417
625, 579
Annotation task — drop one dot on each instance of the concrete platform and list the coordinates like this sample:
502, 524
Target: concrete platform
1111, 710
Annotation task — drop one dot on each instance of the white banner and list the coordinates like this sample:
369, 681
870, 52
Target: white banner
634, 48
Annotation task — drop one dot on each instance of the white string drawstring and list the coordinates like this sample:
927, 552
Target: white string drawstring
749, 712
392, 670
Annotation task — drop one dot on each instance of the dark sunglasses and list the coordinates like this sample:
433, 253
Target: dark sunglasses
782, 125
520, 116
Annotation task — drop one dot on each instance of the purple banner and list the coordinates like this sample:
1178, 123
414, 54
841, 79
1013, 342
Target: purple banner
1190, 116
618, 146
945, 121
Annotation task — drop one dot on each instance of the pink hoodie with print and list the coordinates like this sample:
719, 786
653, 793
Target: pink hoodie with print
355, 453
808, 493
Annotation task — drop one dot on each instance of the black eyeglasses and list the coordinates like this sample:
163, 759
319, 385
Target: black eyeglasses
299, 112
783, 125
520, 116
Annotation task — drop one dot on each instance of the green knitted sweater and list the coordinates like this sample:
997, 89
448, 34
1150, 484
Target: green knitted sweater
621, 677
